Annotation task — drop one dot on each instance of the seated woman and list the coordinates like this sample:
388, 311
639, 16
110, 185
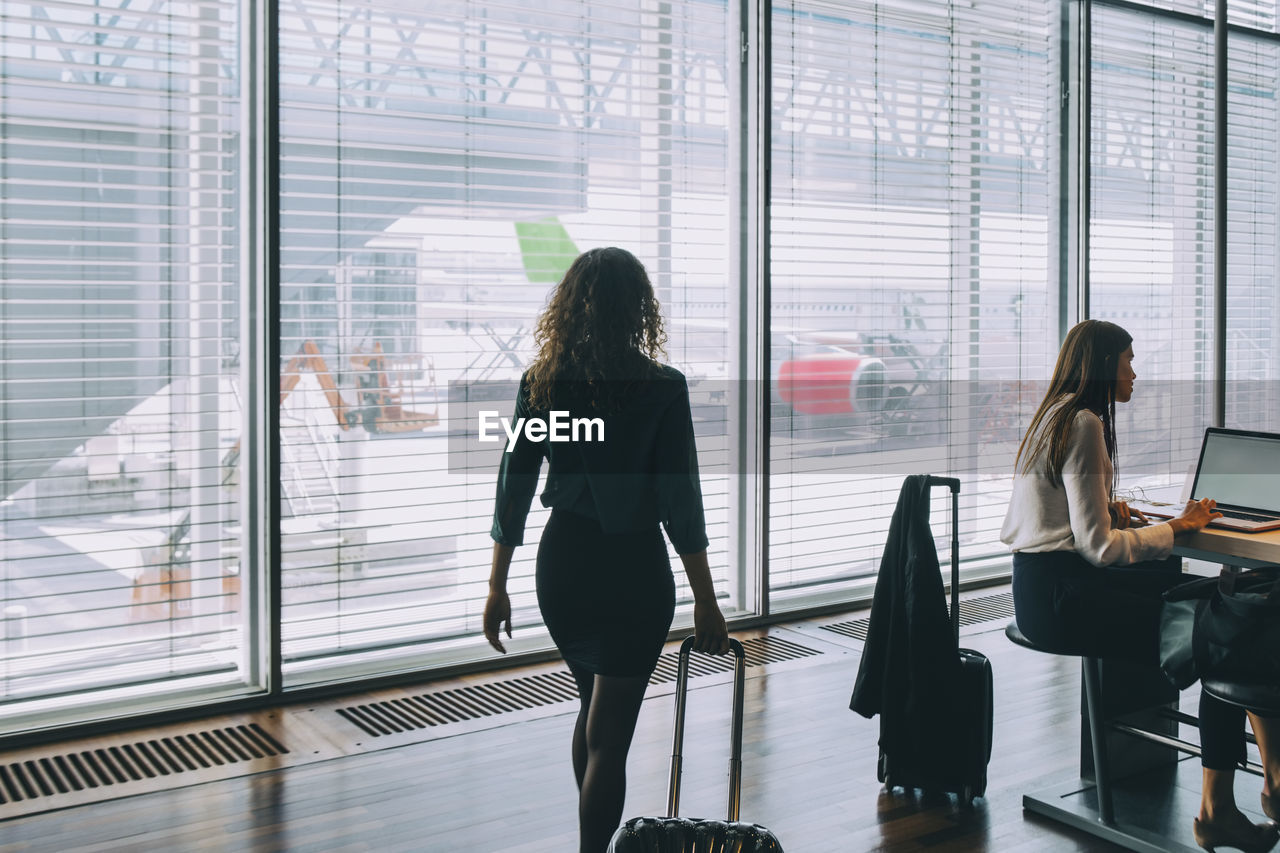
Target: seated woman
1088, 572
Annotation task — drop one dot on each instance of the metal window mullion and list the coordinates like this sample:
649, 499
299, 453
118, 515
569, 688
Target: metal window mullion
757, 75
259, 350
271, 158
1220, 143
1076, 148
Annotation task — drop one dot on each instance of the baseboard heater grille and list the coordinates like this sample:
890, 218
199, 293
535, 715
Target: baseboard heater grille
760, 651
973, 611
131, 762
442, 707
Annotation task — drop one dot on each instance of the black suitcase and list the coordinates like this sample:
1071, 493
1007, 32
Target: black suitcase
673, 834
973, 712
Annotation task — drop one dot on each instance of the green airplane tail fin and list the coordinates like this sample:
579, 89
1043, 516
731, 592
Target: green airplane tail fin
546, 249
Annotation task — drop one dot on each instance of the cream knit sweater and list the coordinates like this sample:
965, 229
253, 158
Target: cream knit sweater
1075, 515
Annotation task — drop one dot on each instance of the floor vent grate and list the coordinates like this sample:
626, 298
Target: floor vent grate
973, 611
855, 629
132, 762
760, 651
463, 703
442, 707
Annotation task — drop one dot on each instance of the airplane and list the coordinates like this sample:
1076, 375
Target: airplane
877, 382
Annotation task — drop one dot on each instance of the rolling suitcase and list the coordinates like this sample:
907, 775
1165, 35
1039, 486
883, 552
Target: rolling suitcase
972, 714
672, 834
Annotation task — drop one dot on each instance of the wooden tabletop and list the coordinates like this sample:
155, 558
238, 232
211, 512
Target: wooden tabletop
1230, 546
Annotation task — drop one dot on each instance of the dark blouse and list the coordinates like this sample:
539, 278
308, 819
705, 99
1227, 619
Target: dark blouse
645, 471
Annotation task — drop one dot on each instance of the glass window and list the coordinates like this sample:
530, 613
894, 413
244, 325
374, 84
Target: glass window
440, 170
1254, 14
119, 357
440, 167
912, 208
1152, 221
1253, 238
1151, 229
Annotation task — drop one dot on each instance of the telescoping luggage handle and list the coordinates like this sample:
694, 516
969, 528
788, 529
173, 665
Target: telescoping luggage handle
953, 483
735, 734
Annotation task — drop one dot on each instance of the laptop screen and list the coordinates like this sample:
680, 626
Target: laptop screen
1240, 469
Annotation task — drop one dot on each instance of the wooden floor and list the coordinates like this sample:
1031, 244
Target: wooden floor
809, 774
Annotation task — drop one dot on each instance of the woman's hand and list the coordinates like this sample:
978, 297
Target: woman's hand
497, 610
1124, 516
1195, 516
710, 634
497, 607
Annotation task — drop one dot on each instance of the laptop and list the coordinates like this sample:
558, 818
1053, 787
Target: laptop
1240, 470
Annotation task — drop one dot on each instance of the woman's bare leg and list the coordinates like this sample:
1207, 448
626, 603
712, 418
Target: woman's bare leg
1220, 821
585, 680
1267, 732
1218, 797
1222, 745
610, 725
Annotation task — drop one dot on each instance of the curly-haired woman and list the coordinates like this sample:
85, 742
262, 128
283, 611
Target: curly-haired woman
604, 581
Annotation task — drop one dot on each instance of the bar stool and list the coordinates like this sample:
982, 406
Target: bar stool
1252, 696
1093, 709
1263, 698
1062, 804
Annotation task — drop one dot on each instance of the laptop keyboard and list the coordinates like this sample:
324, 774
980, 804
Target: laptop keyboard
1247, 516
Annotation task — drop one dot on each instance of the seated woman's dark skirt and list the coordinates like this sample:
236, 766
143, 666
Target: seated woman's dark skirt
607, 598
1065, 604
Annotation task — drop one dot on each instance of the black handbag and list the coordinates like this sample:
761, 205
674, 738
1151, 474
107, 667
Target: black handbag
1226, 627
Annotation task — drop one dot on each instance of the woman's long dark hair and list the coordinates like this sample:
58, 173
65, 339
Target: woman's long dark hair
602, 328
1083, 378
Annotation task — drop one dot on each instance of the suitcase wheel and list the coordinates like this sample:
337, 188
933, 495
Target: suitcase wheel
969, 793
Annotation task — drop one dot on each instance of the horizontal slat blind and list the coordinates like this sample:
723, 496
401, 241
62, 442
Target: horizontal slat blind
1253, 243
1151, 260
440, 168
911, 203
1151, 229
1255, 14
120, 299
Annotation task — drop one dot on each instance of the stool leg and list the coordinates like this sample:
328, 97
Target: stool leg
1098, 739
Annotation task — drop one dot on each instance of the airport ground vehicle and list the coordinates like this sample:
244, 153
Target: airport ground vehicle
873, 386
379, 409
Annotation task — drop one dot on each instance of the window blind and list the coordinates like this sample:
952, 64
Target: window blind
441, 166
1253, 243
912, 177
1255, 14
120, 510
1177, 59
1151, 228
1151, 258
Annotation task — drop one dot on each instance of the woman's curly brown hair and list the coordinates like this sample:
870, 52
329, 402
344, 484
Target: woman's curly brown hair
602, 328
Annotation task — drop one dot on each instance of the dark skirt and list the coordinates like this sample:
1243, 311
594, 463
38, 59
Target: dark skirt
1067, 605
607, 598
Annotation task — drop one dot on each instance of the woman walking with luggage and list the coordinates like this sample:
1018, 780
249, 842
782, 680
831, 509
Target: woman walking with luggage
604, 582
1089, 572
